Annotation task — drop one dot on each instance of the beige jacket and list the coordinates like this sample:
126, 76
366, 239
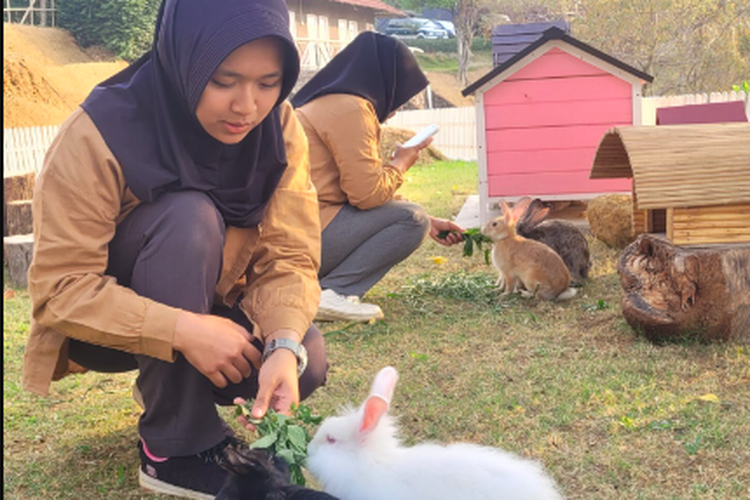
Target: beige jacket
79, 199
345, 165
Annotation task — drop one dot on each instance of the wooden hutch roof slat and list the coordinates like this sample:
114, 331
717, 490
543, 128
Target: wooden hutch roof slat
679, 165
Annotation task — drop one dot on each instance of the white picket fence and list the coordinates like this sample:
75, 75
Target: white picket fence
24, 148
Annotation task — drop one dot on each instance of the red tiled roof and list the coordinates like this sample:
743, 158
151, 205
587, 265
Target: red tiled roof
376, 5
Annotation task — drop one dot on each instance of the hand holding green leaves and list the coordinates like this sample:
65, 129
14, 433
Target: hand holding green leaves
473, 237
283, 435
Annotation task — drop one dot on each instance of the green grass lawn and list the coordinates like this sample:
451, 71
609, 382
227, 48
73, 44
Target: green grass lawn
609, 414
448, 62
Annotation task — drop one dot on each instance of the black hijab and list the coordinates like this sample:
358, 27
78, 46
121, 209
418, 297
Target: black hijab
375, 67
146, 113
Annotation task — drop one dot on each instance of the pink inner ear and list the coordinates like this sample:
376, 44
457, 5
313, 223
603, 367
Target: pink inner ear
520, 207
374, 409
540, 216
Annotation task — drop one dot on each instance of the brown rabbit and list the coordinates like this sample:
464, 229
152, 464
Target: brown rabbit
527, 263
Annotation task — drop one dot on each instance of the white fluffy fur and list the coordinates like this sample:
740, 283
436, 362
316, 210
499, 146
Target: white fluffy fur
376, 466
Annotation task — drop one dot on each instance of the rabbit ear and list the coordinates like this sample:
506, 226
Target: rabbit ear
385, 383
377, 403
374, 409
506, 212
539, 216
520, 207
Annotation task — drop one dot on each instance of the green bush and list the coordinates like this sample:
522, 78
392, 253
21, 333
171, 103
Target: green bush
124, 27
448, 44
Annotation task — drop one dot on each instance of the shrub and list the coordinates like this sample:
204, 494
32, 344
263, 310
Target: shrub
448, 44
124, 27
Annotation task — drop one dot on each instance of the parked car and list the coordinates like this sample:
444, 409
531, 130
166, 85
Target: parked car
413, 27
447, 26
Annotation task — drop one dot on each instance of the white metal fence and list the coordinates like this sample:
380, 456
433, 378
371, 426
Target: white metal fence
36, 12
24, 148
457, 138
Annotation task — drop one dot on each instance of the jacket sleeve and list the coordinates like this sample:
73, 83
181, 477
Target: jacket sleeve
283, 290
352, 134
77, 200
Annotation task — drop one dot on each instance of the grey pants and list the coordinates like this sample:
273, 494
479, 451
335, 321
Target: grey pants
171, 251
361, 246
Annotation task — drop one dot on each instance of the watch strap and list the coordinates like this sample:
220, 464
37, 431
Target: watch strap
297, 349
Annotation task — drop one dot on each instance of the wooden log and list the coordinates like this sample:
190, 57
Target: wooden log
18, 250
16, 188
18, 218
696, 293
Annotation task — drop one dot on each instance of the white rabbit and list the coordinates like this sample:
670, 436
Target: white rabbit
357, 456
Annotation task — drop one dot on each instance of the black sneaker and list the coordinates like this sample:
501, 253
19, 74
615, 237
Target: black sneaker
198, 476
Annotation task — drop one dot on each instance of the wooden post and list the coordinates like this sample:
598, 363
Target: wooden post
670, 225
30, 10
696, 293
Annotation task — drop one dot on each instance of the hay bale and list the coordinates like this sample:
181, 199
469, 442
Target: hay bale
390, 137
610, 217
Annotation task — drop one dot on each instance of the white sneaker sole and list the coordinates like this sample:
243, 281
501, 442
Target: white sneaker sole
153, 484
333, 315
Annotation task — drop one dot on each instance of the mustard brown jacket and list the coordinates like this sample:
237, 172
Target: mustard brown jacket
344, 135
80, 198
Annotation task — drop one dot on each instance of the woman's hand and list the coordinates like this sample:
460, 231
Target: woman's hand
454, 237
278, 383
217, 347
403, 158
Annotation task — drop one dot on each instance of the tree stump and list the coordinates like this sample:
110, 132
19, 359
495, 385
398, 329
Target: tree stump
18, 250
691, 293
18, 217
16, 188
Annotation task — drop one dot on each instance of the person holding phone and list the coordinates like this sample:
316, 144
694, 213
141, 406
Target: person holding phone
366, 231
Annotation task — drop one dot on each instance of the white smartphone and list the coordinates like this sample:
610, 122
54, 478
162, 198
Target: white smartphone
421, 136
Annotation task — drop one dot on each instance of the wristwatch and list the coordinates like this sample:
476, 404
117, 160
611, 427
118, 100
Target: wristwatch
298, 350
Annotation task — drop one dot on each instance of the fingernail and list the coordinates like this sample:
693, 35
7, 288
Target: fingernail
257, 413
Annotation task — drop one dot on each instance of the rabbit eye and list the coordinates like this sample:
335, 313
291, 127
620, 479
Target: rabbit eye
494, 224
330, 439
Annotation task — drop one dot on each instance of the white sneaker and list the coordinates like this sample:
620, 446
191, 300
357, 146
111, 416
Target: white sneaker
335, 307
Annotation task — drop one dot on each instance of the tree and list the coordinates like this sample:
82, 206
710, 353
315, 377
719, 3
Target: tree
688, 45
466, 17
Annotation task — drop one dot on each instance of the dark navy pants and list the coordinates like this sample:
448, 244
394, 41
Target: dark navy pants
171, 251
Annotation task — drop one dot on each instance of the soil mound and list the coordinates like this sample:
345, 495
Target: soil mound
46, 75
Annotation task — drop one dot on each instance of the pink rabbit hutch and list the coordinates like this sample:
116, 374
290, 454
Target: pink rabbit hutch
540, 116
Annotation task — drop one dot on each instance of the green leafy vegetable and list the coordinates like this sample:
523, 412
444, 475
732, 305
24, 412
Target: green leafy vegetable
283, 435
472, 237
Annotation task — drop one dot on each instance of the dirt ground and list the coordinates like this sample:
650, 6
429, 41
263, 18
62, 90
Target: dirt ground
46, 75
447, 86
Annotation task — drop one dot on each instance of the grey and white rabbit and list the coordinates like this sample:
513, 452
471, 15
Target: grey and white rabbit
357, 456
561, 236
